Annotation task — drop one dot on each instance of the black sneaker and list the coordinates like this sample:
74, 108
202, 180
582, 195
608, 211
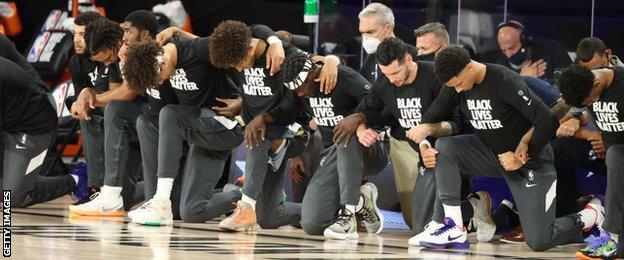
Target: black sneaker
92, 194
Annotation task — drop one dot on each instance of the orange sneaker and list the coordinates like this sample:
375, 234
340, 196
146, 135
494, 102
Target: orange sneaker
516, 236
243, 219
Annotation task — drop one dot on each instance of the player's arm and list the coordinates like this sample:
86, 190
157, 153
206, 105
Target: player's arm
544, 122
123, 93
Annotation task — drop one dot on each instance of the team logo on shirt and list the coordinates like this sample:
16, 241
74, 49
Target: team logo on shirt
527, 99
410, 111
481, 112
93, 76
607, 116
152, 92
323, 109
254, 83
181, 82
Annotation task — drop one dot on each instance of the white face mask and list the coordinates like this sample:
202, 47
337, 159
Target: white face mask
370, 44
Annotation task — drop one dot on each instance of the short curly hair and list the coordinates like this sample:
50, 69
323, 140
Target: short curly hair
103, 34
228, 43
575, 84
141, 68
449, 62
389, 50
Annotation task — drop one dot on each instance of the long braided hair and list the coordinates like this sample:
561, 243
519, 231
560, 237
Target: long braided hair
295, 70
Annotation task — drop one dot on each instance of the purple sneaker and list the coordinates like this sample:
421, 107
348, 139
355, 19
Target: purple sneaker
81, 191
448, 236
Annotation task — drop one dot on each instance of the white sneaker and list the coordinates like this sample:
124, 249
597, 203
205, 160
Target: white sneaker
344, 226
155, 212
482, 219
448, 236
100, 206
429, 228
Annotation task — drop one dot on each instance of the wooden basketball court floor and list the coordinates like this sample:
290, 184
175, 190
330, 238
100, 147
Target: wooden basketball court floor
46, 231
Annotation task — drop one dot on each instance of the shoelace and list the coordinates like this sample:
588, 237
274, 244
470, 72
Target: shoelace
343, 218
598, 242
367, 214
442, 230
146, 205
590, 238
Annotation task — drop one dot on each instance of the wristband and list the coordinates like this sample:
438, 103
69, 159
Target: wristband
273, 40
575, 112
424, 142
334, 57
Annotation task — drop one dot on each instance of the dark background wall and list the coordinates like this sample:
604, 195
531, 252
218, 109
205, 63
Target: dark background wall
563, 20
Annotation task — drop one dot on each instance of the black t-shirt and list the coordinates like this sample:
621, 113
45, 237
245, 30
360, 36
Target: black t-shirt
197, 82
329, 109
606, 111
263, 93
8, 51
24, 108
160, 96
406, 103
370, 70
86, 73
501, 110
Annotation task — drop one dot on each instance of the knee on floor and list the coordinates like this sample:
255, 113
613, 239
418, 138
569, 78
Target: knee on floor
267, 222
193, 214
312, 225
536, 244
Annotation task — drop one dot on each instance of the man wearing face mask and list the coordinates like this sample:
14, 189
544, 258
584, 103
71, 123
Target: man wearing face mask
529, 56
430, 39
376, 24
593, 53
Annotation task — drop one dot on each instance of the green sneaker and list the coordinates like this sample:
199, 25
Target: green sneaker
345, 226
370, 213
599, 248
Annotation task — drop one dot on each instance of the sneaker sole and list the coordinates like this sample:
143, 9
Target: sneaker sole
246, 228
463, 245
409, 242
377, 210
116, 213
580, 255
153, 223
511, 241
330, 234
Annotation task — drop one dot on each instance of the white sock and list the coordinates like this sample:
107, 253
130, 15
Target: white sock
250, 201
360, 204
508, 204
454, 212
350, 208
75, 178
163, 188
588, 217
110, 191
